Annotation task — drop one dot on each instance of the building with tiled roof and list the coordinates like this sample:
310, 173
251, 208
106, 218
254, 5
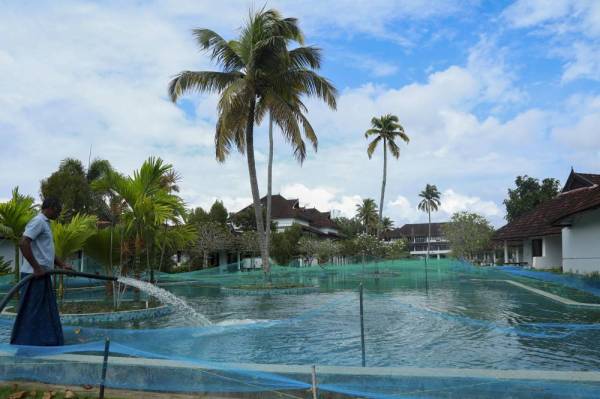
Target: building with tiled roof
415, 235
288, 212
563, 232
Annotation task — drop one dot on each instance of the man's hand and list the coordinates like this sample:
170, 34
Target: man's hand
67, 267
39, 272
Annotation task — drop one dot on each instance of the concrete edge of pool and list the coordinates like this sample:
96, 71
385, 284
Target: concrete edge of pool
423, 372
549, 295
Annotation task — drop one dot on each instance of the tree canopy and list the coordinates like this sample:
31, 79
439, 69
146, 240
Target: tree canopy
469, 234
528, 194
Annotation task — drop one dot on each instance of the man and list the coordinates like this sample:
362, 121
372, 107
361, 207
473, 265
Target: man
38, 321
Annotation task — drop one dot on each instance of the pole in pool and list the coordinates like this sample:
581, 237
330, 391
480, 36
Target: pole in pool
362, 326
314, 382
426, 279
104, 367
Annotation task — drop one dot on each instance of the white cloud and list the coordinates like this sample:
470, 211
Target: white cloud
525, 13
98, 75
403, 211
579, 130
323, 198
454, 202
584, 62
487, 62
573, 27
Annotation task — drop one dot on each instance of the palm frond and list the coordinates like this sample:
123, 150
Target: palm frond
394, 149
203, 81
71, 237
305, 57
223, 52
372, 146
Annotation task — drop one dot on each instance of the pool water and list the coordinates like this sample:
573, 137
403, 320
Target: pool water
460, 317
464, 318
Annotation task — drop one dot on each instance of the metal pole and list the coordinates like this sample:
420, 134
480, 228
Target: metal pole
104, 366
314, 382
362, 326
426, 279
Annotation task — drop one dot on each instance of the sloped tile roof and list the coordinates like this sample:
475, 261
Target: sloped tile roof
282, 208
547, 217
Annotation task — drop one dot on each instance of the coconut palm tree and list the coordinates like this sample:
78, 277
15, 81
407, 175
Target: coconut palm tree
430, 202
286, 109
386, 129
251, 73
14, 216
366, 212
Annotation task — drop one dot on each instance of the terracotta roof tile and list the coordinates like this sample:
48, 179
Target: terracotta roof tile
544, 219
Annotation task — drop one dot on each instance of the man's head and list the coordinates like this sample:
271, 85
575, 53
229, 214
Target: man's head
51, 207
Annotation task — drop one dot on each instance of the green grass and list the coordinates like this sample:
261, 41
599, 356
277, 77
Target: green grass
7, 391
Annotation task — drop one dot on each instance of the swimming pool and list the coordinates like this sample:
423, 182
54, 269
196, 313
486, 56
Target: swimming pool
462, 317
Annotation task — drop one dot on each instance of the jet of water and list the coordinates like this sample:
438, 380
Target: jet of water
167, 298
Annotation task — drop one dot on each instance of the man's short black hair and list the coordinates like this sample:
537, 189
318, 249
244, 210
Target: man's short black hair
53, 203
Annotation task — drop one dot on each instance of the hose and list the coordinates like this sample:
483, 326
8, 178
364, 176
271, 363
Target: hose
24, 281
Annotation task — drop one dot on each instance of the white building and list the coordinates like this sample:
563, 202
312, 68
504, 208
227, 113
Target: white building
287, 212
561, 233
7, 251
416, 236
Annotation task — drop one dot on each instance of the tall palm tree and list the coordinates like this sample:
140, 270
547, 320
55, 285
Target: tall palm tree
386, 129
287, 110
430, 202
367, 213
14, 216
251, 74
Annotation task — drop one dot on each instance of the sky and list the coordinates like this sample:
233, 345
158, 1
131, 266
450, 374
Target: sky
486, 91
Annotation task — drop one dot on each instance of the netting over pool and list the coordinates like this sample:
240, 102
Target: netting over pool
461, 332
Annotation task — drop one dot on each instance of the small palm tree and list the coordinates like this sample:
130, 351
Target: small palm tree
386, 129
430, 202
367, 213
14, 216
147, 203
71, 237
386, 224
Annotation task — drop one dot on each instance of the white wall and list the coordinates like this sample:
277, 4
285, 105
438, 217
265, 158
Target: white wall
7, 250
328, 230
581, 244
284, 223
551, 253
527, 252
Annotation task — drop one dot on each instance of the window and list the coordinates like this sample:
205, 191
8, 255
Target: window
536, 247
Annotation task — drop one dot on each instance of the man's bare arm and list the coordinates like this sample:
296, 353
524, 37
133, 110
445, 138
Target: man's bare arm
25, 245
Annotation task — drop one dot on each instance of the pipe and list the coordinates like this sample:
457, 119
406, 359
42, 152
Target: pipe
24, 281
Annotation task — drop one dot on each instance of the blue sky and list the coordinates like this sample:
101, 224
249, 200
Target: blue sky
487, 90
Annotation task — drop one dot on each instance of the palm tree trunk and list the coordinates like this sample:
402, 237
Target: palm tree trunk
260, 227
269, 185
428, 233
382, 188
148, 263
